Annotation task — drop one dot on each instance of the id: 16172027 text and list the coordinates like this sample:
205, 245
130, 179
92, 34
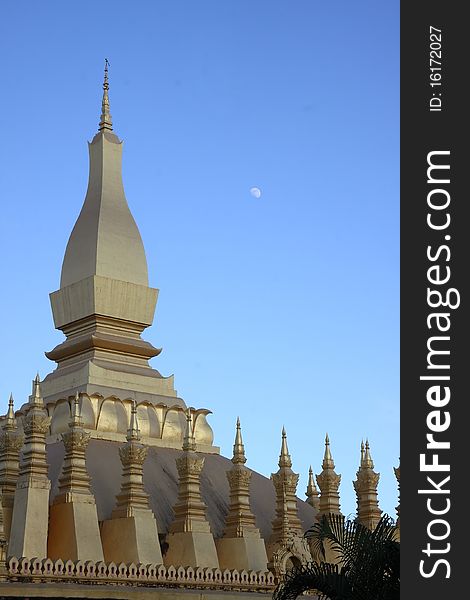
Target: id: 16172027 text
435, 68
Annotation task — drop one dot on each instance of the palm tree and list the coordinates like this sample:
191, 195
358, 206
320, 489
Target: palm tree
369, 562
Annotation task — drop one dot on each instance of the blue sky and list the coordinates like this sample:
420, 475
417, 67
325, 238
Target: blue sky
283, 309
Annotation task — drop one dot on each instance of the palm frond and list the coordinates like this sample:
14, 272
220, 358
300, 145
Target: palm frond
324, 578
370, 560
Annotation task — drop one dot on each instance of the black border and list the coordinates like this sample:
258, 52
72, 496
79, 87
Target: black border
423, 131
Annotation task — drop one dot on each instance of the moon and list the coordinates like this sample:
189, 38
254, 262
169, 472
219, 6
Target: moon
255, 192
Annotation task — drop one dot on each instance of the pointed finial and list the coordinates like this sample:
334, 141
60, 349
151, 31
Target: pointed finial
76, 420
311, 487
328, 462
106, 121
10, 421
312, 492
284, 457
367, 463
238, 447
133, 433
362, 451
189, 443
35, 397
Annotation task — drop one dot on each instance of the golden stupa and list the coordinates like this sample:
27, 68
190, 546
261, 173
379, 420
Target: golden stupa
107, 476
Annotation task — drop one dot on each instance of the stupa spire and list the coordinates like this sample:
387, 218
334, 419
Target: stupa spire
31, 506
132, 521
328, 482
11, 442
106, 121
241, 546
238, 447
365, 485
10, 421
190, 540
367, 462
104, 301
328, 462
284, 457
285, 486
73, 520
313, 497
36, 398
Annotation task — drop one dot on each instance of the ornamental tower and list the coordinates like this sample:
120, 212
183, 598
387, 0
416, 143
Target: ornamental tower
367, 480
241, 546
29, 522
328, 482
73, 523
11, 442
285, 481
313, 497
190, 539
103, 305
104, 302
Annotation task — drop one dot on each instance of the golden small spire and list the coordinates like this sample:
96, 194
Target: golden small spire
133, 433
106, 121
328, 462
311, 487
76, 420
238, 447
362, 452
189, 443
36, 397
10, 421
313, 497
367, 461
284, 457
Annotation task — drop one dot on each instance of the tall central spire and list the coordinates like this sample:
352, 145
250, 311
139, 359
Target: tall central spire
104, 301
105, 240
106, 121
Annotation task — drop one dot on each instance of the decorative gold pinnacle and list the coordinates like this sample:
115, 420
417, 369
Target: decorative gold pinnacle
238, 447
133, 433
328, 482
313, 497
36, 398
31, 506
240, 520
10, 421
106, 121
328, 462
285, 485
74, 477
189, 442
133, 454
190, 510
284, 457
76, 420
368, 511
11, 442
367, 461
